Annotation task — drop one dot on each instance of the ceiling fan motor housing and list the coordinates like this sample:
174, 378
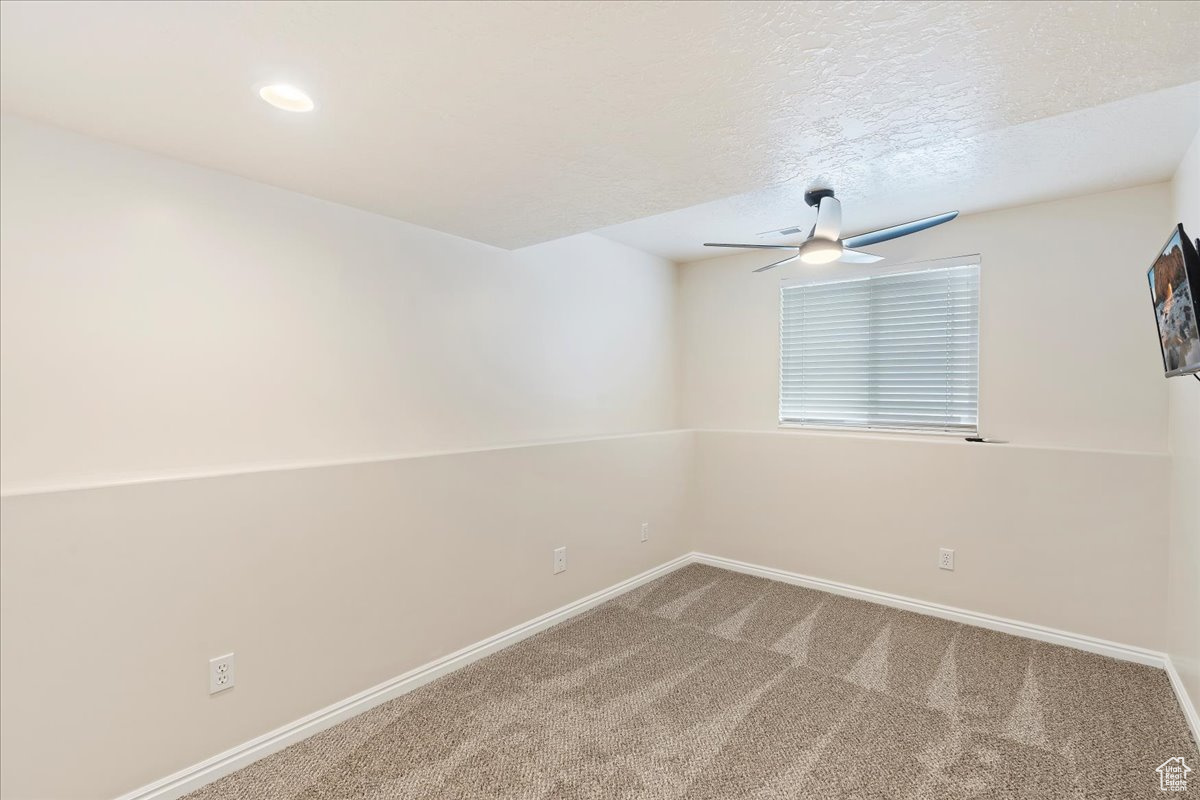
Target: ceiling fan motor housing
825, 243
814, 196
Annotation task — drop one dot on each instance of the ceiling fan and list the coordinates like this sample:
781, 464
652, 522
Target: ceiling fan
824, 243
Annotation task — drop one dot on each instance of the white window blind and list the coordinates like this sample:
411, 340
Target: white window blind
896, 351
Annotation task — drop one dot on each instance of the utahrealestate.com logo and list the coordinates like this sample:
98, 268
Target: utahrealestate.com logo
1172, 775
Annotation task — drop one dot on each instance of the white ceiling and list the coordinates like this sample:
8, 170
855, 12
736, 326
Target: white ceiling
515, 123
1126, 143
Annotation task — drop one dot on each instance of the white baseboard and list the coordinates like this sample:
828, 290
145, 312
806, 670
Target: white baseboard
197, 775
192, 778
1025, 629
1189, 709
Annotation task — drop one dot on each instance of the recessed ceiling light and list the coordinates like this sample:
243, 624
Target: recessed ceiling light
286, 96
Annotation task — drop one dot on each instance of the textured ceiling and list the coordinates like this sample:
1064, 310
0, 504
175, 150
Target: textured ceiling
1125, 143
514, 123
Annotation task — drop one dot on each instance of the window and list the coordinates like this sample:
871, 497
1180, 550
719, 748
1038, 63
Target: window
897, 351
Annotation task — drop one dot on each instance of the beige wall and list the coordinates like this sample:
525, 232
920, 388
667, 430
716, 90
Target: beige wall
1066, 356
1184, 584
1073, 511
159, 319
1066, 539
323, 581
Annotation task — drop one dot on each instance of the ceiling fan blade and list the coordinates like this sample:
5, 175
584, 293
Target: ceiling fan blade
896, 231
753, 246
829, 219
858, 257
774, 264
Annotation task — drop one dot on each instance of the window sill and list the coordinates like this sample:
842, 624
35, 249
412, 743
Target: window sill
885, 432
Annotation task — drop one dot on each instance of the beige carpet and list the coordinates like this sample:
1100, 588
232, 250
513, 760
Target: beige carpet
708, 684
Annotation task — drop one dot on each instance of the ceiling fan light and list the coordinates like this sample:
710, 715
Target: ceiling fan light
820, 251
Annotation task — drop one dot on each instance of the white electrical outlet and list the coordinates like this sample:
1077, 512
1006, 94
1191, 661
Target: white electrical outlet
645, 531
946, 558
560, 560
220, 673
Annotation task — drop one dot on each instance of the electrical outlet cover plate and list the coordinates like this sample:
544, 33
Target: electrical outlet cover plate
645, 531
946, 558
220, 673
560, 560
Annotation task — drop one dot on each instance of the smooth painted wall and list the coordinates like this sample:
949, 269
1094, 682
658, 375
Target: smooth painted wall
1066, 539
160, 321
1065, 527
324, 582
1183, 612
158, 318
1067, 358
